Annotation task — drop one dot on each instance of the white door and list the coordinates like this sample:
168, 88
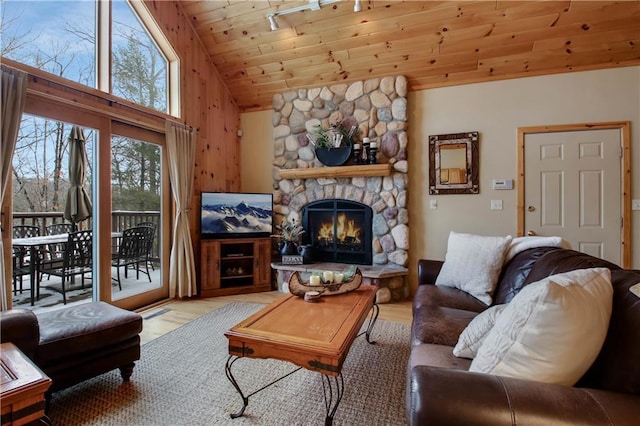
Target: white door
573, 189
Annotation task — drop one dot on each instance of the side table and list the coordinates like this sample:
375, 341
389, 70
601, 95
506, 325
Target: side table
22, 388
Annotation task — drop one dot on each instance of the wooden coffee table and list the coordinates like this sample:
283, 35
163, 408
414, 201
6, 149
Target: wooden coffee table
315, 336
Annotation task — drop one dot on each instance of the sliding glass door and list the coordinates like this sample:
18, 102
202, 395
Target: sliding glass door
120, 187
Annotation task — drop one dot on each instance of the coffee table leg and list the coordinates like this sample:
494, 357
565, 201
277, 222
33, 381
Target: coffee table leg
375, 311
328, 390
245, 399
45, 420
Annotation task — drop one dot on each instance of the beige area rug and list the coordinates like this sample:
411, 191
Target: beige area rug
180, 380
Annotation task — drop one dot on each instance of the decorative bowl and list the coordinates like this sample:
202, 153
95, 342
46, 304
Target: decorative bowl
333, 156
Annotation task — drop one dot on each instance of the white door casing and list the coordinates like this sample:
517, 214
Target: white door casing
572, 183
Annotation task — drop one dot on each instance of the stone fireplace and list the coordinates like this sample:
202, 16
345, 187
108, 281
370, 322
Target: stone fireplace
301, 182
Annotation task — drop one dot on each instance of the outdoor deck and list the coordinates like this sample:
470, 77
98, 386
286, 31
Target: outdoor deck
51, 296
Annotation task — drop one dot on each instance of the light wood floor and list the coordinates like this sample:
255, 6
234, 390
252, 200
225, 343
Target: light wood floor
166, 317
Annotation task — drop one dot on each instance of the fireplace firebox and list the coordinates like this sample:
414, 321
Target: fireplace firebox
338, 231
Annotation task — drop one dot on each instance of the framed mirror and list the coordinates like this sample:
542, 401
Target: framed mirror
454, 164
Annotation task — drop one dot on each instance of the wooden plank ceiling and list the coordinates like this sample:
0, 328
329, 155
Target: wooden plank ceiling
432, 43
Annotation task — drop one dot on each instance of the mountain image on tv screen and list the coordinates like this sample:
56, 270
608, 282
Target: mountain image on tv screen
236, 214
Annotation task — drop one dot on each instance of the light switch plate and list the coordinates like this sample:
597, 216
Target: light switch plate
635, 204
496, 204
433, 204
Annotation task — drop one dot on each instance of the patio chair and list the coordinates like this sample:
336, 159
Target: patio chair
60, 228
21, 255
18, 270
76, 260
150, 242
132, 252
55, 252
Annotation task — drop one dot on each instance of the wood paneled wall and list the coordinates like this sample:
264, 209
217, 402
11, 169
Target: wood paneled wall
207, 105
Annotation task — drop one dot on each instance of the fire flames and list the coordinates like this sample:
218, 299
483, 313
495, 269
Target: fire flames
346, 230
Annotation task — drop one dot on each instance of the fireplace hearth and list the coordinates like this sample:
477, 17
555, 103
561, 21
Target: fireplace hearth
338, 231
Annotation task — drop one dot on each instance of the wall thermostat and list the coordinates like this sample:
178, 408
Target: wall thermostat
503, 184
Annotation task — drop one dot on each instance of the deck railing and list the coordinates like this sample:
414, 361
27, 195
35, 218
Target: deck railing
120, 220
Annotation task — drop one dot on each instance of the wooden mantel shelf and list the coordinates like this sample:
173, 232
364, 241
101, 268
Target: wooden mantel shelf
364, 170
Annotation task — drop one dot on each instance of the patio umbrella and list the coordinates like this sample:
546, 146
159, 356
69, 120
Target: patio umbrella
78, 205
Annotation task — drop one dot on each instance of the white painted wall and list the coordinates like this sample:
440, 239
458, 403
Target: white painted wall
256, 152
496, 110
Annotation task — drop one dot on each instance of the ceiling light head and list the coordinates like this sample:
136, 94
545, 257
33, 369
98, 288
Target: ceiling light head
310, 5
272, 21
357, 7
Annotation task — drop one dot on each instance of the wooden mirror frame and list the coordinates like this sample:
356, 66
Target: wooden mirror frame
471, 184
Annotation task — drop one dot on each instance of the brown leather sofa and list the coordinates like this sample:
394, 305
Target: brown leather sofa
76, 343
440, 390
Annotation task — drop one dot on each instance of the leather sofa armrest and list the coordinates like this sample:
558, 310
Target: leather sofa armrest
444, 396
428, 270
20, 327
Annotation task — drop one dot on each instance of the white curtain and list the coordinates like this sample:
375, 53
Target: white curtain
181, 147
13, 98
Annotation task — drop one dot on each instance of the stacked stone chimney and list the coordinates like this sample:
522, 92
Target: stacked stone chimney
378, 107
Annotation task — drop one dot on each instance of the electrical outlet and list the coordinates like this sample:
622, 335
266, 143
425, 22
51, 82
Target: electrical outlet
433, 204
635, 204
496, 204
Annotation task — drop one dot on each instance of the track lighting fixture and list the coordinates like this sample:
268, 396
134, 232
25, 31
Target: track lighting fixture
272, 21
312, 5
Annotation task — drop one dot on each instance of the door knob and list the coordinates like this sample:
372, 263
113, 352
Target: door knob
531, 209
531, 233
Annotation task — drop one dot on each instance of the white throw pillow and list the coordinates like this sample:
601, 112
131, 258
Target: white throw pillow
473, 264
476, 331
552, 330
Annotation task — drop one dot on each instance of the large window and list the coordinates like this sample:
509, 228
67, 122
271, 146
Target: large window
139, 70
63, 38
55, 36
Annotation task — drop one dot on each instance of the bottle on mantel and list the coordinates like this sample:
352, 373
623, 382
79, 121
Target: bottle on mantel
357, 153
365, 150
373, 153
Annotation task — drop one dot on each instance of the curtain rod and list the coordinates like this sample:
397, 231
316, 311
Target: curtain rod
184, 125
110, 114
102, 97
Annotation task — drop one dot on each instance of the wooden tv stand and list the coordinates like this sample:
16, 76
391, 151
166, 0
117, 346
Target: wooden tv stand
235, 266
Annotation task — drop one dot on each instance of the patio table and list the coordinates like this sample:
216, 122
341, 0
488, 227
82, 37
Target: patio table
33, 243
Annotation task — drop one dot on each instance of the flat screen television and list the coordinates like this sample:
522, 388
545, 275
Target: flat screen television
235, 215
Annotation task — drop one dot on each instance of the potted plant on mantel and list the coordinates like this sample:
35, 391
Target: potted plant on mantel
333, 144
